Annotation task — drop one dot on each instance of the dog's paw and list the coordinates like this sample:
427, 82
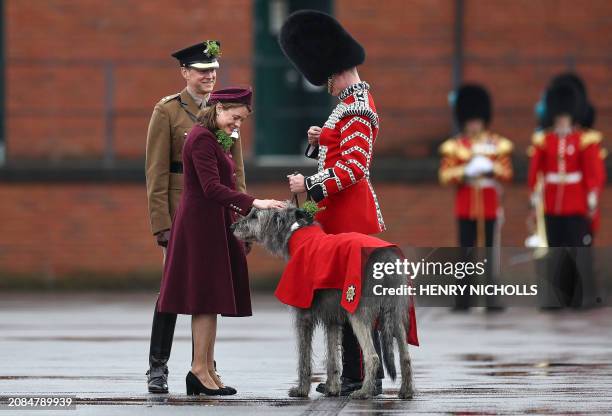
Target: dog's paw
332, 388
298, 392
360, 394
406, 394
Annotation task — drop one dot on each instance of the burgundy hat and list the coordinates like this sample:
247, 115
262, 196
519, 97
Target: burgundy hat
231, 95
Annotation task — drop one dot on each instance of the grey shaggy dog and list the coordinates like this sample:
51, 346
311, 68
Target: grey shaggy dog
272, 229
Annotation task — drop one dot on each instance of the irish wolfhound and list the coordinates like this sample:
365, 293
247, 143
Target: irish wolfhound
273, 229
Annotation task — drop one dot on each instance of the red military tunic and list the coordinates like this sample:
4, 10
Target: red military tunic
571, 168
342, 185
328, 261
476, 198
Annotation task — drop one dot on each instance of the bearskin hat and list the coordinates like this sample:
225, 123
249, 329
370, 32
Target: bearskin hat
586, 115
472, 101
572, 79
565, 99
318, 46
589, 116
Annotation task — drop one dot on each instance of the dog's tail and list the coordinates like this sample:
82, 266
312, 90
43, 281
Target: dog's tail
386, 334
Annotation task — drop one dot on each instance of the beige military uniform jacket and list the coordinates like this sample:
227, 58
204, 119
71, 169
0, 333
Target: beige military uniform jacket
173, 117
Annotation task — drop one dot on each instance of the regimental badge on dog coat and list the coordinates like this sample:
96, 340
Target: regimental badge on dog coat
350, 293
328, 261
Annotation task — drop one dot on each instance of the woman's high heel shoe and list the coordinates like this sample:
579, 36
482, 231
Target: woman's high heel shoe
228, 391
195, 387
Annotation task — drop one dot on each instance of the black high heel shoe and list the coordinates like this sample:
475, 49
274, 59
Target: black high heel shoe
195, 387
227, 390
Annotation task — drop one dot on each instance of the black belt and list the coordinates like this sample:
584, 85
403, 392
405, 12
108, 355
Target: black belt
176, 167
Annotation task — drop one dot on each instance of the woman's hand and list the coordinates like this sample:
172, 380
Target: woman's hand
314, 132
268, 204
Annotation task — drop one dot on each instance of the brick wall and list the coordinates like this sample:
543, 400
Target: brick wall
61, 53
61, 230
512, 46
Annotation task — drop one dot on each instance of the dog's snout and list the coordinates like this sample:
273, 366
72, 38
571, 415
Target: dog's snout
233, 227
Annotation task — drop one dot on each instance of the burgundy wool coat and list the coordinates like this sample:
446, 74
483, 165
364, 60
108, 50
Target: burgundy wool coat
206, 270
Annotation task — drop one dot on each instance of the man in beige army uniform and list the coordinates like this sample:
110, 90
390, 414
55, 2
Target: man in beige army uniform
173, 117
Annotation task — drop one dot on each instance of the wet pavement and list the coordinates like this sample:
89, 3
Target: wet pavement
94, 347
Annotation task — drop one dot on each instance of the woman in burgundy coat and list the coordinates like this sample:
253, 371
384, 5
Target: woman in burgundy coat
205, 272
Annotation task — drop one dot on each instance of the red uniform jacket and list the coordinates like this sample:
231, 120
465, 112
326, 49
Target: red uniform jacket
342, 185
571, 168
328, 261
476, 198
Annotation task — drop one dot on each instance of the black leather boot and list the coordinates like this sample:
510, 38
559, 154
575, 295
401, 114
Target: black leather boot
162, 334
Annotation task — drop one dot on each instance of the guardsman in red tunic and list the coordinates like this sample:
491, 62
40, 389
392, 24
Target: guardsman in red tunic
345, 151
324, 52
568, 160
476, 161
587, 121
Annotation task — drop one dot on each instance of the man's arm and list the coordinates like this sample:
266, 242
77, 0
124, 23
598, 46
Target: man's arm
502, 167
452, 169
157, 170
536, 161
356, 141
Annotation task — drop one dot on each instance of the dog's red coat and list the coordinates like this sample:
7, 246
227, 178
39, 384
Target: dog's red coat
329, 261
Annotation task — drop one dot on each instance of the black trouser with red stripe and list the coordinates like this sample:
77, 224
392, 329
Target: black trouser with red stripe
352, 357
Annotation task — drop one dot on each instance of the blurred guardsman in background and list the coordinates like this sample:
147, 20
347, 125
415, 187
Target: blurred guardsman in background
325, 53
173, 117
587, 123
567, 159
476, 161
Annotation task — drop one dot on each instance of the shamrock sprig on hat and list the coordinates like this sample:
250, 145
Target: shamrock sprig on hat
212, 48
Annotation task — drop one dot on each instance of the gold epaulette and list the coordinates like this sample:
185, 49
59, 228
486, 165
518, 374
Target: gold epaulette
538, 138
504, 146
590, 137
448, 147
168, 98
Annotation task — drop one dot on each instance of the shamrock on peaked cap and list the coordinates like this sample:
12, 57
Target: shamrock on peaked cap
472, 102
231, 95
318, 45
202, 55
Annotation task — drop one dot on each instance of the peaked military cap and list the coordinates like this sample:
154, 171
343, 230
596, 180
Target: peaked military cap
202, 55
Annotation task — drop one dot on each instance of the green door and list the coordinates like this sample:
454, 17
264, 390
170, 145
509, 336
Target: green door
285, 103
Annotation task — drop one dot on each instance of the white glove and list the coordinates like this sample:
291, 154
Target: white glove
534, 199
592, 201
479, 165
